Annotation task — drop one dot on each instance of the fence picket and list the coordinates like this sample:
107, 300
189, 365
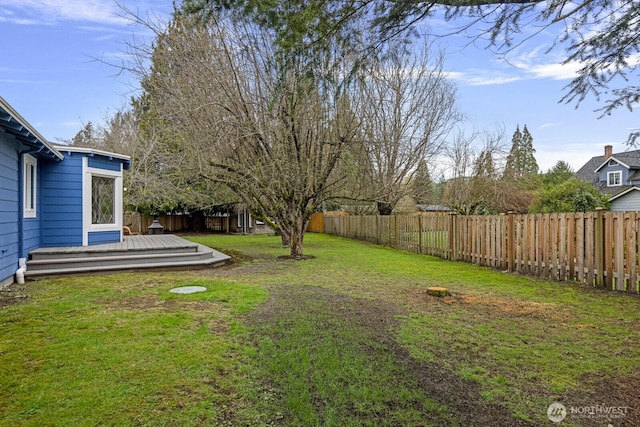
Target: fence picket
619, 244
632, 252
608, 249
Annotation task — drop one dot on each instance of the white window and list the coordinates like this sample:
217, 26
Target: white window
103, 200
241, 218
30, 185
614, 179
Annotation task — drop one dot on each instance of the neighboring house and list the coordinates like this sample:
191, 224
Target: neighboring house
433, 208
615, 174
53, 195
235, 219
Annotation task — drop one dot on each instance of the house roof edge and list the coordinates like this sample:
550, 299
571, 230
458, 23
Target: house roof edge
73, 149
30, 129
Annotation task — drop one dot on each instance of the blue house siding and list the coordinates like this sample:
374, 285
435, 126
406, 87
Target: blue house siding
67, 200
9, 208
30, 235
99, 237
100, 162
628, 202
31, 227
62, 203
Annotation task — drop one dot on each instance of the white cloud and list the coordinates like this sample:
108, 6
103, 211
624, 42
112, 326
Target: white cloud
50, 11
539, 65
482, 77
532, 64
554, 71
474, 77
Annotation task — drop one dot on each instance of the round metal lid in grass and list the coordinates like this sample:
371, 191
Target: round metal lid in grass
188, 289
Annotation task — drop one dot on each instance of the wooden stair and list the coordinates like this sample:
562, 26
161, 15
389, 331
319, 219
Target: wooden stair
135, 253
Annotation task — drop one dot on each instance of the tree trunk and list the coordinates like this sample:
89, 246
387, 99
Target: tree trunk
296, 246
297, 237
286, 239
384, 208
198, 222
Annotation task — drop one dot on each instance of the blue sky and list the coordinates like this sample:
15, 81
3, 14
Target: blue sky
50, 73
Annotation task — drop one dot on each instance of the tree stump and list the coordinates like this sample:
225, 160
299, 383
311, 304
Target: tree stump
437, 291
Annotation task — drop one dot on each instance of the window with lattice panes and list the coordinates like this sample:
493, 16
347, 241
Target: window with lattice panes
103, 200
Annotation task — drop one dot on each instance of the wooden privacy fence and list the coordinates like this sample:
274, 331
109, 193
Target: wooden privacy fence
596, 248
171, 223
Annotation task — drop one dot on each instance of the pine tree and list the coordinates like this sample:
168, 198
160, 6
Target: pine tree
511, 164
559, 173
529, 165
421, 184
521, 161
484, 166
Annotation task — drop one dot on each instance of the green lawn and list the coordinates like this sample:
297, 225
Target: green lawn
346, 338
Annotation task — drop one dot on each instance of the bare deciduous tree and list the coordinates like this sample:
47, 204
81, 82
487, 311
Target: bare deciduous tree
407, 110
476, 185
271, 127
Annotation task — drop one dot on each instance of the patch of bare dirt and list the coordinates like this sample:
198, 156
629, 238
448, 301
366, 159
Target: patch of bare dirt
507, 307
13, 294
461, 397
151, 302
619, 396
216, 324
242, 264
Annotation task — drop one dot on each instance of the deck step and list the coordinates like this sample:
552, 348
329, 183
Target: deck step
95, 261
57, 272
75, 262
45, 255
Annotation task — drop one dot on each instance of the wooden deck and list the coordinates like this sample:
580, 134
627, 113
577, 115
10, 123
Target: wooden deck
130, 243
165, 251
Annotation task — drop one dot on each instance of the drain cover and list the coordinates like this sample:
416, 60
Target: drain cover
188, 289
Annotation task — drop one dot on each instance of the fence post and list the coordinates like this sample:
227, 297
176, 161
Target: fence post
511, 247
598, 244
420, 233
453, 236
395, 231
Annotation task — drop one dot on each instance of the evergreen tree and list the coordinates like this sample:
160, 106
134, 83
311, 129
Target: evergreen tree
484, 166
529, 165
559, 173
421, 184
87, 137
521, 162
511, 164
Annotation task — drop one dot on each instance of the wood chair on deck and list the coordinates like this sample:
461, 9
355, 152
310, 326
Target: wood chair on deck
126, 230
